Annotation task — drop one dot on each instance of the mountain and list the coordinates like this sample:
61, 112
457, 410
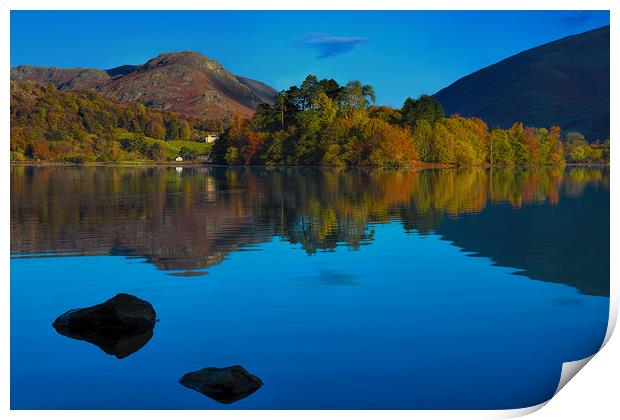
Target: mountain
565, 83
64, 79
265, 93
185, 82
121, 70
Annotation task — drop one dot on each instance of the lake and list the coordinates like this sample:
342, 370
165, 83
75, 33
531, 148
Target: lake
339, 289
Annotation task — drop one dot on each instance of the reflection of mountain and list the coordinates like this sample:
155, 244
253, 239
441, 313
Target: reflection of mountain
193, 219
578, 255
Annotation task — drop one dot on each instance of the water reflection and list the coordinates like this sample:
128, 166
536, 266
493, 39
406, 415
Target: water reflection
538, 221
113, 342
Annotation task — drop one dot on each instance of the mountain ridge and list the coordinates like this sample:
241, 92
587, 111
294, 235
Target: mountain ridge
563, 82
185, 82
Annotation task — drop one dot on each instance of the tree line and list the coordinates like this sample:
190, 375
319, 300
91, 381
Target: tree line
318, 122
83, 125
321, 122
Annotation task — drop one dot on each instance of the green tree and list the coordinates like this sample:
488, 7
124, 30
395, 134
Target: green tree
500, 148
155, 151
172, 130
358, 96
443, 145
232, 156
605, 151
333, 156
580, 153
520, 152
187, 154
185, 133
423, 140
576, 147
424, 108
309, 90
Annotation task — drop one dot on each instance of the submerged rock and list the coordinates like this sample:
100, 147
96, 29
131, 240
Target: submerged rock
224, 385
119, 326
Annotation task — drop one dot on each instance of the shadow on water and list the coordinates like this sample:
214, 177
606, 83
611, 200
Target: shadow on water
549, 224
116, 343
332, 278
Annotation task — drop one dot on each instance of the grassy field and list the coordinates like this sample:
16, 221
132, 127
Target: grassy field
172, 147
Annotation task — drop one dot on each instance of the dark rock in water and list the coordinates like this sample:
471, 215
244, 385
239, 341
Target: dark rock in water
122, 312
224, 385
119, 326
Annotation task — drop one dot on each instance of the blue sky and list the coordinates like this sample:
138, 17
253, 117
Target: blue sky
400, 53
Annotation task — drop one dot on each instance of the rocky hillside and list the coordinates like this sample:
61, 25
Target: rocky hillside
64, 79
187, 82
565, 83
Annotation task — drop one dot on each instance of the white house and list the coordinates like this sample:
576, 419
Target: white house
179, 159
211, 137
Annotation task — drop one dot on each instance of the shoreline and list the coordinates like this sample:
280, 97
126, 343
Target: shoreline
203, 165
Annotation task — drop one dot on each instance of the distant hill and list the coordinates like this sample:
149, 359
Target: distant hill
565, 83
63, 79
121, 70
186, 82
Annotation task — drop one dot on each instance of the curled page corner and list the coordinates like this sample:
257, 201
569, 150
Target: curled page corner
569, 370
520, 412
613, 316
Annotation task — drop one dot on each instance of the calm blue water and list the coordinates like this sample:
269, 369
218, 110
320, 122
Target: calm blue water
339, 290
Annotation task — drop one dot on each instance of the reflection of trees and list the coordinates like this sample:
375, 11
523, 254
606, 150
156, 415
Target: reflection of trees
193, 219
174, 221
580, 177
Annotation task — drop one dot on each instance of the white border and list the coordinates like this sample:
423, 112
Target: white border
310, 5
597, 385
